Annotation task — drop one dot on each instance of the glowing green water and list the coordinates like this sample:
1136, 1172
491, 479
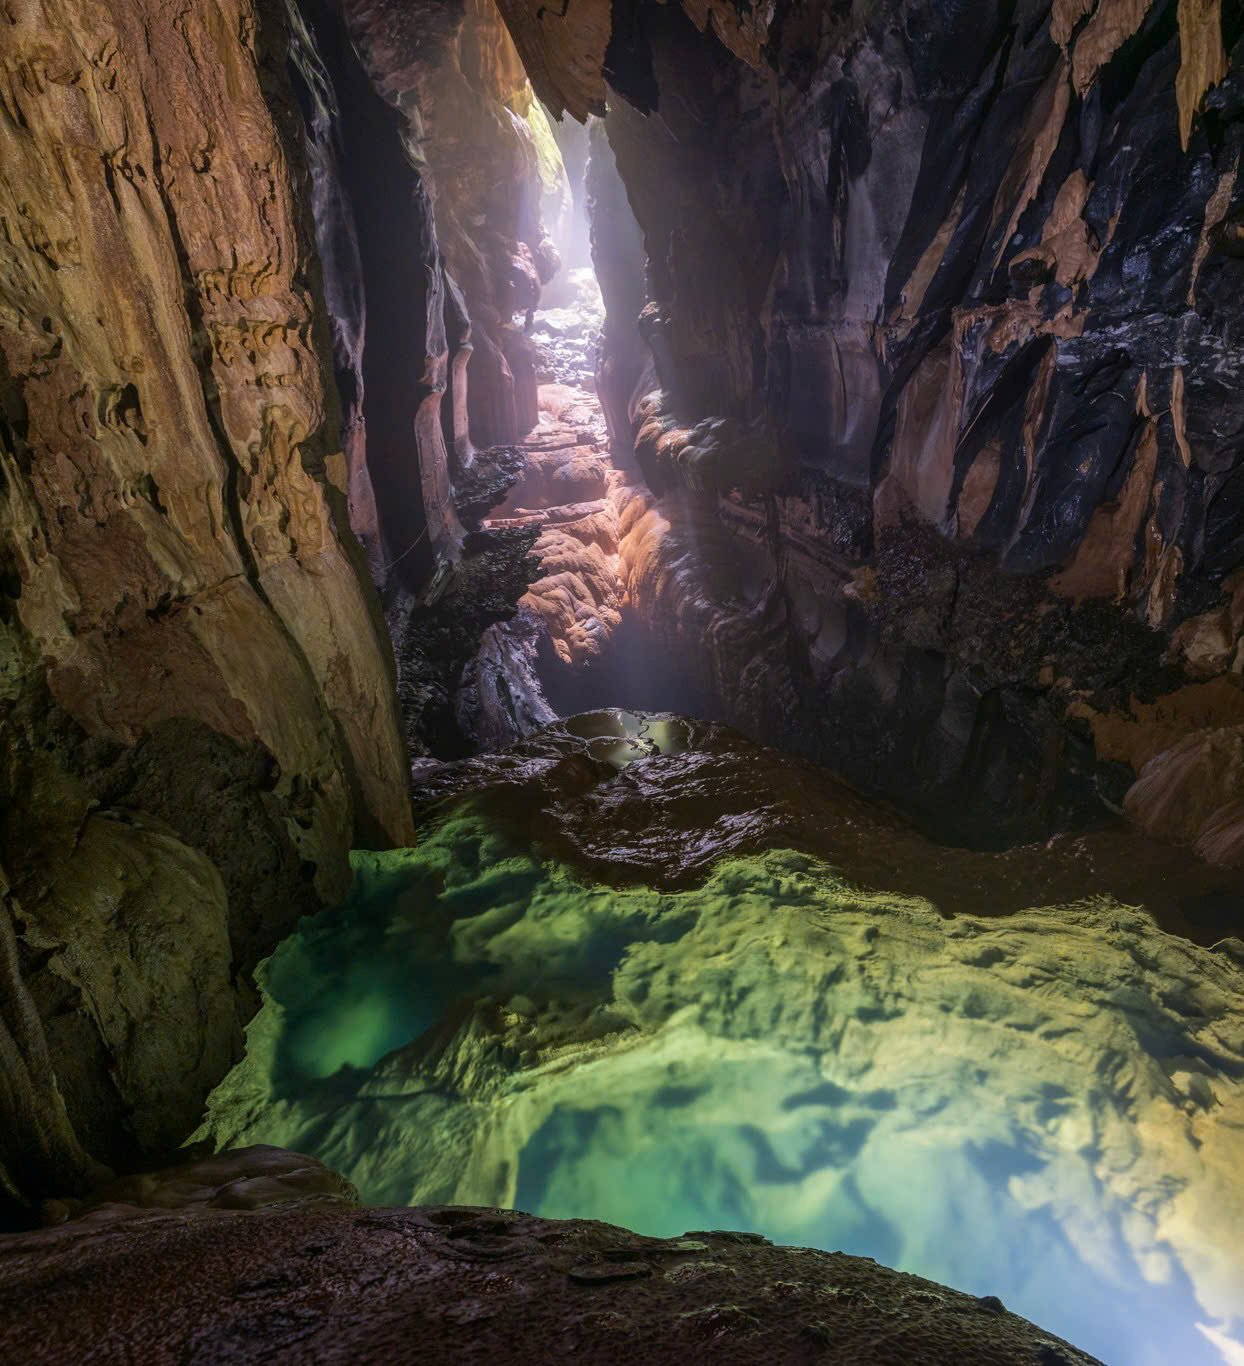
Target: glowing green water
1046, 1107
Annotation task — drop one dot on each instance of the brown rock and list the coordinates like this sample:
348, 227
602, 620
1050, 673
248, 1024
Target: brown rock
175, 555
1193, 792
474, 1285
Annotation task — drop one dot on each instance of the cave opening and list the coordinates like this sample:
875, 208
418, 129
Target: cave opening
631, 613
592, 647
535, 455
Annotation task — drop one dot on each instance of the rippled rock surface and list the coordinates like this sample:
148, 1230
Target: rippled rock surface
645, 972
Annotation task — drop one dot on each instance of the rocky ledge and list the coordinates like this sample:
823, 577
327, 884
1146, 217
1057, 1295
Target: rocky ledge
255, 1256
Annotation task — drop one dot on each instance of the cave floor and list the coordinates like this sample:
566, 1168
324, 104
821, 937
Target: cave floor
643, 971
307, 1281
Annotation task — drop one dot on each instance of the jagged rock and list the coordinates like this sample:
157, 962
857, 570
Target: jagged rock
666, 823
565, 493
919, 268
487, 482
474, 134
923, 336
435, 130
500, 692
437, 635
403, 337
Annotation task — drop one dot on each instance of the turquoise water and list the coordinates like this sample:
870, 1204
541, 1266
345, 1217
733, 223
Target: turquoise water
1045, 1107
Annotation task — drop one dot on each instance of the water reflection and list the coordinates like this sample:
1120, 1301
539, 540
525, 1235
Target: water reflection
1048, 1107
619, 738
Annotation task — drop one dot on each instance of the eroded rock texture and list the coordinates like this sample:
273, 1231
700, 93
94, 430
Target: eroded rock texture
492, 154
396, 314
297, 1278
567, 491
630, 797
197, 707
644, 971
449, 263
432, 161
946, 420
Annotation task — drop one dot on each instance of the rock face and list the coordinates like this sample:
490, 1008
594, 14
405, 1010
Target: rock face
575, 642
492, 155
567, 490
624, 373
940, 300
434, 159
298, 1278
197, 704
255, 1178
923, 344
641, 970
579, 790
431, 163
398, 319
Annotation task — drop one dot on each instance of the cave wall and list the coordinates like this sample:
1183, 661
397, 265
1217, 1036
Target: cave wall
195, 690
624, 365
476, 146
491, 152
946, 423
431, 165
397, 319
929, 363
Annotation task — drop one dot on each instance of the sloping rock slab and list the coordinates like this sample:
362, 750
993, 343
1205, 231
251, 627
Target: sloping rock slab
452, 1285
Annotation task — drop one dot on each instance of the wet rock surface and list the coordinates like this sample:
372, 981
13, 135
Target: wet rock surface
937, 323
437, 634
433, 164
578, 638
347, 1285
929, 376
642, 970
567, 494
658, 799
259, 1177
563, 495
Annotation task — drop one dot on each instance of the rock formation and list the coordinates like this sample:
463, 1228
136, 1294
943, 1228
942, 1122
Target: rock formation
251, 1257
640, 968
441, 139
913, 447
492, 155
939, 301
567, 490
197, 700
423, 114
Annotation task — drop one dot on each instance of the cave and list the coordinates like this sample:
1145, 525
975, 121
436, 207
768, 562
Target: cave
622, 681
